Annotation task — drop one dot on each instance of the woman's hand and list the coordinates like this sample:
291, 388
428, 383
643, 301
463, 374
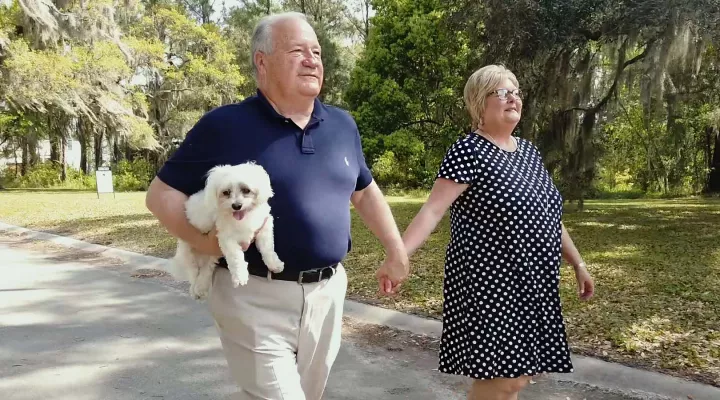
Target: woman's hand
586, 286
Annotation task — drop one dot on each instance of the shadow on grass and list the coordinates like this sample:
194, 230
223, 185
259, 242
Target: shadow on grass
656, 265
135, 232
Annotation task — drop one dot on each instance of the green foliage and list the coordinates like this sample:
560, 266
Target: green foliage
46, 175
194, 69
132, 175
127, 176
408, 83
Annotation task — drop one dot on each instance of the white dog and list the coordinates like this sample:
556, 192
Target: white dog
235, 202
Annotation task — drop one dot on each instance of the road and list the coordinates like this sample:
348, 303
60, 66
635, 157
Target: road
74, 326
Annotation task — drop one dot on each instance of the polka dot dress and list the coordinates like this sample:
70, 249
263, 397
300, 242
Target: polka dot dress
502, 315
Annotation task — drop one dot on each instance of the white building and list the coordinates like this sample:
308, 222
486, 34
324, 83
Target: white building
72, 155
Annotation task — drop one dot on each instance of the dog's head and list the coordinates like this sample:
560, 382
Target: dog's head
237, 189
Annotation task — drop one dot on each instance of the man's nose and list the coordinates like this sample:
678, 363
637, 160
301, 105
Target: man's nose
311, 60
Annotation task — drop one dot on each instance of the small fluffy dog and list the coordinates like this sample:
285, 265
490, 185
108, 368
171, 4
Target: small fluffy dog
235, 202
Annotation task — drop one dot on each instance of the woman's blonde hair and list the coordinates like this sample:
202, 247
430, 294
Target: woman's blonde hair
479, 85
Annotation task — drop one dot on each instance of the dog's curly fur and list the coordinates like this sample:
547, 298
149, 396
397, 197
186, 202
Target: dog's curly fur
235, 201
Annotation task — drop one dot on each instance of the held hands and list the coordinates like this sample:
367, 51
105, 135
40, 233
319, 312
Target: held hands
586, 286
393, 272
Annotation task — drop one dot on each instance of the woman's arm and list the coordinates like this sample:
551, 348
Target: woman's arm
443, 193
586, 285
569, 252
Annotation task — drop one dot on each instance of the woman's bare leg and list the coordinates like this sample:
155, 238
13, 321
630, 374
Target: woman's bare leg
497, 389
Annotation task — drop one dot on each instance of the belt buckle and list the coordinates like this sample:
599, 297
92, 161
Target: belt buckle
332, 272
318, 270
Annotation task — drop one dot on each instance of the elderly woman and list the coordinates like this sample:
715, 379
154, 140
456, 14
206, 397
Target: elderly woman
502, 313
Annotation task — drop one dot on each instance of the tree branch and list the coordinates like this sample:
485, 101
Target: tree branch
422, 121
618, 73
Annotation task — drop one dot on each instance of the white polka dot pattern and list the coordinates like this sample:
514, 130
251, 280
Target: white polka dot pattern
502, 315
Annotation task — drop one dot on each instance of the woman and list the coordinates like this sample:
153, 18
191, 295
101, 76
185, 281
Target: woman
502, 320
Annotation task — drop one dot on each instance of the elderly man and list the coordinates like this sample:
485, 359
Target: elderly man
281, 332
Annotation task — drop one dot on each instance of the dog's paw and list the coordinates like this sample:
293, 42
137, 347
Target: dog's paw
275, 265
240, 278
199, 292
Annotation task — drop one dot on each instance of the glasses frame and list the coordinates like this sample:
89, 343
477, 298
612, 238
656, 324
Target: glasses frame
502, 93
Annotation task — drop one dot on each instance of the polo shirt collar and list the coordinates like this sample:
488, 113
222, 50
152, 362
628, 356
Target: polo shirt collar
319, 110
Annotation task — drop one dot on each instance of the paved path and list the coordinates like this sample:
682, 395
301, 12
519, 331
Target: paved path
78, 327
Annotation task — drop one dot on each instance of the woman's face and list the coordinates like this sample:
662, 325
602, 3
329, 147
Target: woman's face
503, 107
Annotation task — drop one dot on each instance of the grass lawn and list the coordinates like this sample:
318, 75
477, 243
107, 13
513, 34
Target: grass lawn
656, 264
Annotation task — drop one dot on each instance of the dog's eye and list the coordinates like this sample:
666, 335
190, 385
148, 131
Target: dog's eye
226, 193
245, 191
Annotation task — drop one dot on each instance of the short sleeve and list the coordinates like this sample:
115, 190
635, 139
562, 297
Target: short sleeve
186, 169
460, 163
365, 177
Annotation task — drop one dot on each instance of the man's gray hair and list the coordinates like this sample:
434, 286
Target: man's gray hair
262, 34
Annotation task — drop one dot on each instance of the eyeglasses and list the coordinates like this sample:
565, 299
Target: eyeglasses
502, 93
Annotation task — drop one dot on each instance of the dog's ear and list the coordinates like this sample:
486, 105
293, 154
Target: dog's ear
265, 189
211, 186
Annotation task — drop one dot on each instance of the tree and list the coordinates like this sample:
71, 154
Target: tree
184, 70
406, 89
572, 72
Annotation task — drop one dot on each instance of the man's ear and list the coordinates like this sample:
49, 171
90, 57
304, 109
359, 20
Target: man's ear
259, 59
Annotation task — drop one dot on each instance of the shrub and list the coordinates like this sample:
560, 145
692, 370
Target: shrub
132, 175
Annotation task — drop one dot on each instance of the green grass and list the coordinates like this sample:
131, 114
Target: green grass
656, 264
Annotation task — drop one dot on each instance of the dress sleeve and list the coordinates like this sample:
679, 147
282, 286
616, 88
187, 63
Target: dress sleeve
460, 162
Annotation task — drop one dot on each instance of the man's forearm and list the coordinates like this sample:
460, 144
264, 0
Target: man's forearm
377, 216
168, 206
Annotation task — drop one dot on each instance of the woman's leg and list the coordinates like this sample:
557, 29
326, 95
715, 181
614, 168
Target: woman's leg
497, 389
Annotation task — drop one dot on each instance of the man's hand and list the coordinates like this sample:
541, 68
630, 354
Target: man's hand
209, 244
392, 273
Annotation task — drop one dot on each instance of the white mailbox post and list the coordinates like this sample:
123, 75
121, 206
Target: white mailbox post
104, 181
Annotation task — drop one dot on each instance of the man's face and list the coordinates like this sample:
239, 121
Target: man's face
294, 67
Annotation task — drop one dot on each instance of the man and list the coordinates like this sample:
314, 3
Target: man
281, 333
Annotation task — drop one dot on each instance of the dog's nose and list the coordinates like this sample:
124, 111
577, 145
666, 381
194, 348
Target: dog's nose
236, 206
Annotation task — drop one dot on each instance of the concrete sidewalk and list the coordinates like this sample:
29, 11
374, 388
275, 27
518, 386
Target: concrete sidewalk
76, 325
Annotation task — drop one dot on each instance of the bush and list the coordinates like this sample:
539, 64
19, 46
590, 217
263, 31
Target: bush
127, 176
132, 175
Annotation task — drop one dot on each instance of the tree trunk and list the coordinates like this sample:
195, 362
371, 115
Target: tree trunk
129, 155
17, 147
713, 178
63, 159
82, 138
98, 149
367, 20
25, 156
32, 151
117, 154
54, 148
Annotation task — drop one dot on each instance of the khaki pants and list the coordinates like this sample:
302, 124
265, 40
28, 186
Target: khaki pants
280, 338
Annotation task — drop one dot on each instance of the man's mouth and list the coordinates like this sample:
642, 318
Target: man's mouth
238, 215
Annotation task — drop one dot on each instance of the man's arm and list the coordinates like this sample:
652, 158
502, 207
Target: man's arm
168, 206
377, 216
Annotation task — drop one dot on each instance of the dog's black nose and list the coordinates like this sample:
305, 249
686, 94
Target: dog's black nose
236, 206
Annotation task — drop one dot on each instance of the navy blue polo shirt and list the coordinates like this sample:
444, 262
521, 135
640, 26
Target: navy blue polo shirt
313, 172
